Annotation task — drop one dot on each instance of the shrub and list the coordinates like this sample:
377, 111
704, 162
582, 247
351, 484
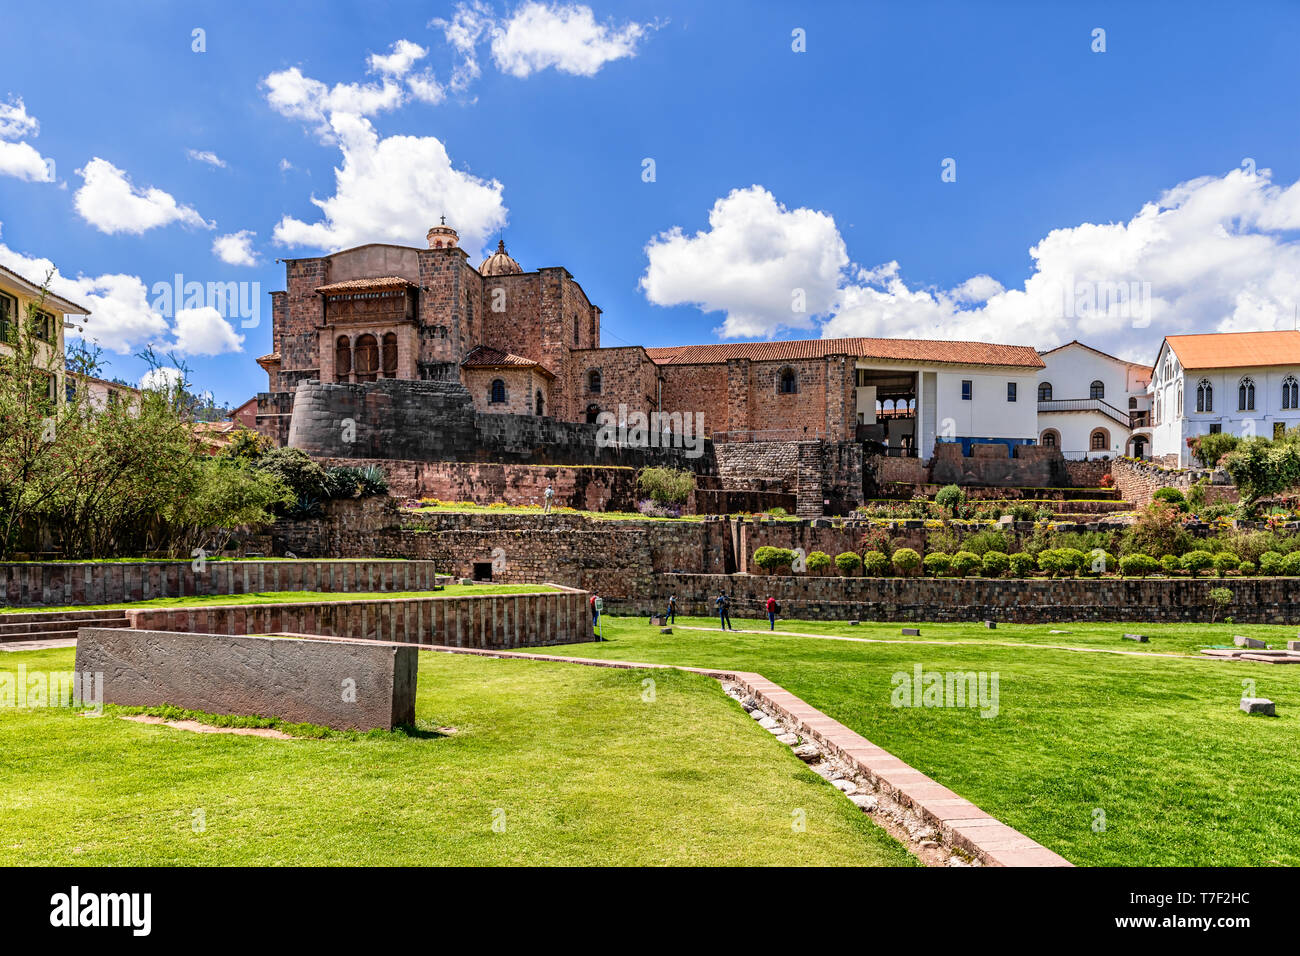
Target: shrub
1171, 563
1049, 562
1291, 564
666, 486
1170, 496
1100, 561
1157, 529
306, 479
1022, 564
1137, 565
848, 563
345, 481
995, 564
982, 542
773, 560
1220, 598
1247, 568
1270, 563
1208, 449
950, 498
1072, 560
1107, 480
964, 562
1197, 561
875, 564
817, 562
906, 560
936, 563
1023, 512
1224, 562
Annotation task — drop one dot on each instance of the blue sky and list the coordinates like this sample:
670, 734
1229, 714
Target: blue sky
779, 175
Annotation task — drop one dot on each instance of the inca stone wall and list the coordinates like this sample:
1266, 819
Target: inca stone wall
436, 421
1137, 481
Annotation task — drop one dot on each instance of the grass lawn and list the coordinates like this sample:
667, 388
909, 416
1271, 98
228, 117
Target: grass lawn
292, 597
1157, 744
571, 759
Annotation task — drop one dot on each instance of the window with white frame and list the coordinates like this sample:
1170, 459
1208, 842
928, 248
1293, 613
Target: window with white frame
1204, 396
1246, 395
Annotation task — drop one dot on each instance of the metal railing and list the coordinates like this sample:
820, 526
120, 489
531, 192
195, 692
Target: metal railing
1087, 405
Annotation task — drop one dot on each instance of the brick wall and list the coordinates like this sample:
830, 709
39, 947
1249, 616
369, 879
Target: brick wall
72, 582
1256, 600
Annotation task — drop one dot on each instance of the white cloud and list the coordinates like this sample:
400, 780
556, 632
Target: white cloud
391, 190
757, 262
161, 378
285, 165
206, 156
565, 36
398, 62
468, 25
21, 160
1218, 253
236, 249
425, 88
296, 96
109, 202
202, 331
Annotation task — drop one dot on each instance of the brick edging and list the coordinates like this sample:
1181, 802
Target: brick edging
959, 822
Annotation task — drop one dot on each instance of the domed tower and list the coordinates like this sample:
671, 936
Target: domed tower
443, 236
499, 263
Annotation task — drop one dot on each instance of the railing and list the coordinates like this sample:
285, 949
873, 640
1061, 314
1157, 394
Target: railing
1086, 405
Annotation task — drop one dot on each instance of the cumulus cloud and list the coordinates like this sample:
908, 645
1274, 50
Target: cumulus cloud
767, 267
202, 331
399, 61
109, 202
391, 190
21, 159
468, 25
1217, 253
206, 156
236, 249
565, 36
296, 96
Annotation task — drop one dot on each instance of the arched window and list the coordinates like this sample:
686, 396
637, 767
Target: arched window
1290, 393
1178, 408
1246, 395
1050, 439
367, 358
593, 381
1100, 440
1132, 403
1097, 389
390, 355
787, 384
539, 404
575, 330
498, 393
1159, 403
593, 414
1044, 391
342, 359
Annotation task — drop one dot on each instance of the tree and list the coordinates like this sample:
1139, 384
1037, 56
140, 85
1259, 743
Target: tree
937, 563
950, 498
995, 564
1260, 467
1219, 599
906, 560
848, 563
773, 560
964, 562
875, 564
817, 562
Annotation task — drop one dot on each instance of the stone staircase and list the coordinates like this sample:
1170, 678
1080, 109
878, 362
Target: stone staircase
55, 625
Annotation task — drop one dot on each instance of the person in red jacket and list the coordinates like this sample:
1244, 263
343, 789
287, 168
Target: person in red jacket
771, 613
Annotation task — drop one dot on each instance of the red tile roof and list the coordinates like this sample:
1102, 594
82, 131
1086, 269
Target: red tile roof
1236, 349
374, 284
483, 356
897, 350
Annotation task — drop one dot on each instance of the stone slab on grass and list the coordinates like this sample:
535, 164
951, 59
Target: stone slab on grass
911, 632
347, 685
1248, 642
1140, 638
1258, 705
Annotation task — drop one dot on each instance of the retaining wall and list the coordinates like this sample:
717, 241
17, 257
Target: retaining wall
59, 583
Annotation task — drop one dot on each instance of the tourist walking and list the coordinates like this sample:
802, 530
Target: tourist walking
671, 615
772, 608
550, 493
595, 614
721, 603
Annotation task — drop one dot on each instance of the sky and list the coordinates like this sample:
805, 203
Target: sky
1023, 173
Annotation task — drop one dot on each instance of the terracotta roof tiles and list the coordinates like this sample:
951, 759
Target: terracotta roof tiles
1236, 349
373, 284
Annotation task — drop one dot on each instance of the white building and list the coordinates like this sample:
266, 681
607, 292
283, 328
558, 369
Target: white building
1243, 383
1093, 405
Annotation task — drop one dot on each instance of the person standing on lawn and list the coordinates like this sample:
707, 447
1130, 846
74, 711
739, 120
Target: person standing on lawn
721, 603
550, 493
671, 614
772, 608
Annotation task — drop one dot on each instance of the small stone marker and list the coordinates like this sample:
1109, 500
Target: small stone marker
1258, 705
853, 623
466, 580
658, 620
1248, 642
991, 625
1140, 638
665, 630
911, 632
1293, 645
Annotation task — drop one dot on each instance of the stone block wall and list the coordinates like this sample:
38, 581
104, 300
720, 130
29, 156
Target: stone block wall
486, 621
60, 583
1137, 481
958, 600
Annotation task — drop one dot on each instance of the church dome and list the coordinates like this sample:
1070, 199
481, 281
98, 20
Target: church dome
499, 263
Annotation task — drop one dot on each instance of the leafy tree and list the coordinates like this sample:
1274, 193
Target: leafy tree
1022, 564
849, 563
773, 560
1171, 563
1270, 563
875, 564
1197, 561
1224, 562
937, 563
1209, 449
1219, 599
964, 562
906, 560
817, 562
995, 564
950, 498
1137, 565
1260, 468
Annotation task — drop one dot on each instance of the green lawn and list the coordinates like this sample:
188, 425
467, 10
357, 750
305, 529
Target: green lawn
1157, 744
578, 767
292, 597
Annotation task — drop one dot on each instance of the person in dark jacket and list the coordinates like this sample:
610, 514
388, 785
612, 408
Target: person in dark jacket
722, 604
771, 606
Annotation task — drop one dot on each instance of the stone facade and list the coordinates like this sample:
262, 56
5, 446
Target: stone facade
1137, 481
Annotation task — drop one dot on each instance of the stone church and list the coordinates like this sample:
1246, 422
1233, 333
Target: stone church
527, 343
